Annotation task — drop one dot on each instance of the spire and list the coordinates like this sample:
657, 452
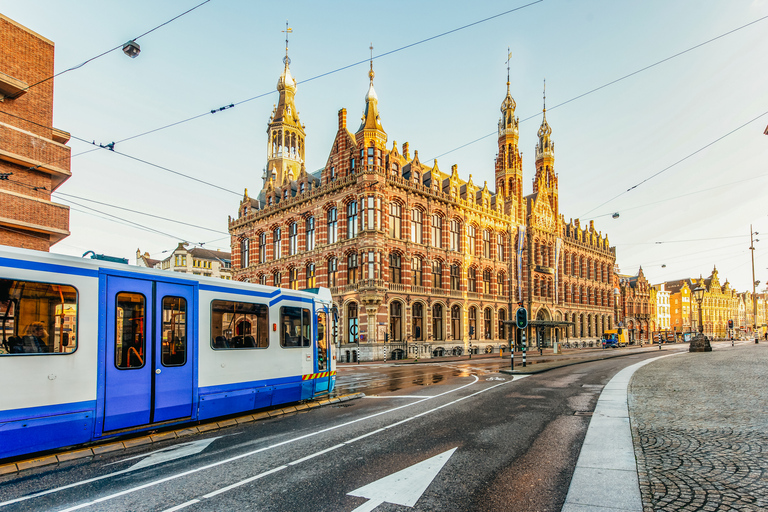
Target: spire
544, 131
371, 120
508, 105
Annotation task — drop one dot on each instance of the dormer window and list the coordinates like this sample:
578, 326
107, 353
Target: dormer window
302, 187
416, 177
285, 194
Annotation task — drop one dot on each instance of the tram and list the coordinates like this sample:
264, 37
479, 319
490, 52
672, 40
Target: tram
91, 349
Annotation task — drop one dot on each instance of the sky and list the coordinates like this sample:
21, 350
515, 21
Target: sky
676, 149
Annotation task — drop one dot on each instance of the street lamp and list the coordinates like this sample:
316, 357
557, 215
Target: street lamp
699, 343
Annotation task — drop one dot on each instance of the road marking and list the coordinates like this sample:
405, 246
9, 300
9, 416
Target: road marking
168, 454
404, 487
397, 396
370, 505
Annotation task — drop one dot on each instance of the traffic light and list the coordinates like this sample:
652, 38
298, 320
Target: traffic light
521, 318
730, 324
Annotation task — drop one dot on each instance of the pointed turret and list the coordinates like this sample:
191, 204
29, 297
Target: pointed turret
546, 179
285, 146
371, 134
509, 161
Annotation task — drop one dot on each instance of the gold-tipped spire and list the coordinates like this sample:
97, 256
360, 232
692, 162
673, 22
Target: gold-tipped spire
288, 30
544, 131
371, 74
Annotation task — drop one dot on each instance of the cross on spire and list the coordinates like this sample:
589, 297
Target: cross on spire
288, 30
545, 95
509, 57
371, 74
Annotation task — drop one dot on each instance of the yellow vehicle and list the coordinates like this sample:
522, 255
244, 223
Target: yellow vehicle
615, 338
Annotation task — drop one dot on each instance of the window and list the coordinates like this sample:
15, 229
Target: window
277, 235
37, 318
245, 257
418, 271
174, 329
471, 279
277, 279
394, 268
487, 325
417, 217
455, 278
333, 173
352, 269
130, 326
352, 219
486, 281
500, 284
332, 226
302, 187
333, 269
437, 231
311, 279
500, 247
437, 322
471, 249
417, 314
352, 323
396, 321
502, 326
437, 274
310, 229
455, 240
263, 279
395, 219
372, 216
372, 274
293, 238
486, 243
293, 278
472, 317
370, 156
295, 327
181, 259
456, 322
239, 325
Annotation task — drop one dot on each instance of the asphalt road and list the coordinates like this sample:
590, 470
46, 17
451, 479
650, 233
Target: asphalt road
456, 436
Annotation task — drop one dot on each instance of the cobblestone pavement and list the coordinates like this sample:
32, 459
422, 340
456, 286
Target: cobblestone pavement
700, 429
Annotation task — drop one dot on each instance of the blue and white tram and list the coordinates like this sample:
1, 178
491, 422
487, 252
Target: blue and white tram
91, 349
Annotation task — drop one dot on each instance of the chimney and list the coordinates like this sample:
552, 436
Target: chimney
342, 119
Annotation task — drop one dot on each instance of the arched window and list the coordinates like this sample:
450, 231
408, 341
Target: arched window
293, 278
437, 274
487, 282
263, 279
395, 219
310, 232
486, 243
456, 322
455, 277
311, 275
395, 275
418, 271
417, 218
352, 268
487, 323
333, 269
333, 236
437, 232
502, 326
395, 321
471, 279
262, 247
500, 284
293, 238
500, 247
352, 219
352, 323
437, 322
277, 279
417, 315
245, 253
455, 237
277, 236
472, 318
471, 234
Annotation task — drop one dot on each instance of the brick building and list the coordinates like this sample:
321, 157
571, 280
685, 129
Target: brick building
34, 158
419, 261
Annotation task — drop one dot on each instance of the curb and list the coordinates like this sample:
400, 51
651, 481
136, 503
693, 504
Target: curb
552, 365
107, 447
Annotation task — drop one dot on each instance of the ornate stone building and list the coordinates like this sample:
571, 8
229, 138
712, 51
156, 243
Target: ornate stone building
638, 314
419, 261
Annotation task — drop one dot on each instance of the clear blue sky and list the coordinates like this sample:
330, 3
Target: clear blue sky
437, 96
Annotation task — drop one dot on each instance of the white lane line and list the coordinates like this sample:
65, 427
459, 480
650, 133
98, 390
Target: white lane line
397, 396
231, 459
354, 440
183, 505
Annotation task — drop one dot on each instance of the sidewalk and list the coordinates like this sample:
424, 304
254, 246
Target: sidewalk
687, 432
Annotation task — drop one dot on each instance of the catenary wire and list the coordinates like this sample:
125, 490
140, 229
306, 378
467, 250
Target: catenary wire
113, 49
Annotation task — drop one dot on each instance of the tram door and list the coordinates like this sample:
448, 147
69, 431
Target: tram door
149, 352
323, 348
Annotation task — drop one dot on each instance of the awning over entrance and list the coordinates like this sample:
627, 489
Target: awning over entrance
549, 323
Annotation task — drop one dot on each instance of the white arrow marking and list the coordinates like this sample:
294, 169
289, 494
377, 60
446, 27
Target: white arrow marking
167, 454
404, 487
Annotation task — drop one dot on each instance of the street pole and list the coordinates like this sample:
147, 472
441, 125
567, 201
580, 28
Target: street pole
754, 296
524, 349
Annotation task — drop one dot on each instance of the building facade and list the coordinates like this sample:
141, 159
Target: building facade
637, 307
197, 261
420, 262
34, 157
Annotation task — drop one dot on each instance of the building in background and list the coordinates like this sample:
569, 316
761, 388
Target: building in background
663, 315
198, 261
34, 157
637, 310
420, 262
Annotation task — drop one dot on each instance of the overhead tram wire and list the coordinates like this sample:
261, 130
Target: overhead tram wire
610, 83
67, 196
115, 48
679, 161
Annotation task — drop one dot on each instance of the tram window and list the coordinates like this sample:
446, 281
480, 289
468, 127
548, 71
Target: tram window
130, 330
37, 318
239, 325
174, 331
295, 327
